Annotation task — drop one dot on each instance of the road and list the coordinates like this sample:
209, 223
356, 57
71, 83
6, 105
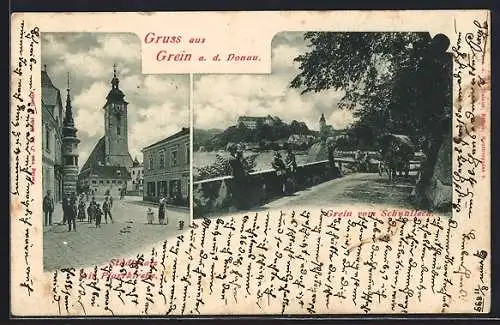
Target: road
357, 188
128, 234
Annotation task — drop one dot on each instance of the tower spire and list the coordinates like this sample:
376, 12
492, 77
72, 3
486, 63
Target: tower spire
115, 81
68, 119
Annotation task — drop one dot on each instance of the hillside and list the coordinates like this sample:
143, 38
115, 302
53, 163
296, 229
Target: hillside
215, 139
203, 137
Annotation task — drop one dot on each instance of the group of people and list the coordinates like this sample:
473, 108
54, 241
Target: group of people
76, 208
285, 170
162, 212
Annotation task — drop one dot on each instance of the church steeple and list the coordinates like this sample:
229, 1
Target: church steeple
115, 81
116, 126
115, 95
69, 123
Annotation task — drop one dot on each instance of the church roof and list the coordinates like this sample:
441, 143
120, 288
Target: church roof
116, 172
97, 155
95, 164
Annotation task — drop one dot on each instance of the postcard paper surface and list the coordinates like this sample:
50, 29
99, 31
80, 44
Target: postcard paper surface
250, 163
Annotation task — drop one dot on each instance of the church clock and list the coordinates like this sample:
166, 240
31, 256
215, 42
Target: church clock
117, 108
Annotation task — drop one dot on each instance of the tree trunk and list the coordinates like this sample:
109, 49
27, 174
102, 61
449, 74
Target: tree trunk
434, 188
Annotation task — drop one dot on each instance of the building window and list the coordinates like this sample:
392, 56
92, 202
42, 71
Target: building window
162, 188
118, 125
173, 157
101, 182
47, 138
133, 172
94, 182
188, 154
107, 181
113, 182
175, 188
151, 163
162, 159
118, 182
151, 189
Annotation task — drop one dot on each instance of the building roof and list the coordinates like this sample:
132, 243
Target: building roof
182, 132
97, 156
254, 118
51, 96
116, 172
115, 95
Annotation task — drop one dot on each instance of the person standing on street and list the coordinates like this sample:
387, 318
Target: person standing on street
98, 215
161, 210
66, 205
72, 211
91, 210
81, 209
106, 209
48, 208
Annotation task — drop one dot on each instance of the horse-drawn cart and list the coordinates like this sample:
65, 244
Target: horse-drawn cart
396, 152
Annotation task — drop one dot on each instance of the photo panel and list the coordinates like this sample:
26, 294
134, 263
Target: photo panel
116, 150
326, 127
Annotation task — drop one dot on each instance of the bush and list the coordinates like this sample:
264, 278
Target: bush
222, 167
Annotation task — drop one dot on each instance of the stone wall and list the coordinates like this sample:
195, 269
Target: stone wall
222, 194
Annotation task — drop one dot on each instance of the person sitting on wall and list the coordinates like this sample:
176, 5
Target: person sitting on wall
291, 169
239, 177
280, 168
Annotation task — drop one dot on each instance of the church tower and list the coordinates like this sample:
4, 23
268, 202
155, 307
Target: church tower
69, 148
322, 122
116, 126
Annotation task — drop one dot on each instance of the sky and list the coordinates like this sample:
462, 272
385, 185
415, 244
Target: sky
259, 95
158, 104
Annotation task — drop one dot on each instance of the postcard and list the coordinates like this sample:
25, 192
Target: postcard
250, 163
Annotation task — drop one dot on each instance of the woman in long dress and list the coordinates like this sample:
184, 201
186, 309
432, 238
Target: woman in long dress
161, 211
81, 209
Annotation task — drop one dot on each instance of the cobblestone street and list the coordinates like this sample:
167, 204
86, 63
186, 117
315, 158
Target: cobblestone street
125, 237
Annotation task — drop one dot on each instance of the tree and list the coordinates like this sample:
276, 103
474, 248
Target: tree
393, 82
